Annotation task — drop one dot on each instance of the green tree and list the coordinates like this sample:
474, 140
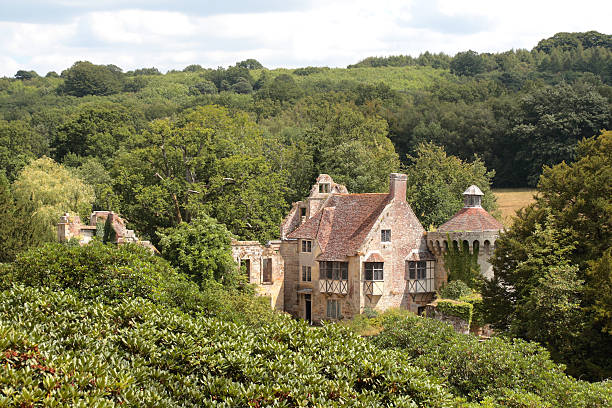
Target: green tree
19, 144
550, 123
436, 183
467, 63
200, 249
177, 166
551, 269
43, 191
7, 214
85, 78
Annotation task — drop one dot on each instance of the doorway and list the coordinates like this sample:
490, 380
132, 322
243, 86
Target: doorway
308, 309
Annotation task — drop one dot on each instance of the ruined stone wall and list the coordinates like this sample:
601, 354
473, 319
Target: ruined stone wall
255, 253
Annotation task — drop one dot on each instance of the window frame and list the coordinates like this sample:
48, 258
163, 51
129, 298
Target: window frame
306, 246
374, 271
385, 235
306, 273
419, 270
333, 270
266, 271
324, 188
334, 309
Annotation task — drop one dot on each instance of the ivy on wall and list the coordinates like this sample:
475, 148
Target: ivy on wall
462, 265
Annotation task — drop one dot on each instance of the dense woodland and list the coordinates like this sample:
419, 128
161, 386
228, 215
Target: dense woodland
196, 157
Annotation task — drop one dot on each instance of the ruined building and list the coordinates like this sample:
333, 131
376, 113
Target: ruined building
340, 253
70, 227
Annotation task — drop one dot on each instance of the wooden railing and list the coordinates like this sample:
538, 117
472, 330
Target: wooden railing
339, 287
373, 288
421, 285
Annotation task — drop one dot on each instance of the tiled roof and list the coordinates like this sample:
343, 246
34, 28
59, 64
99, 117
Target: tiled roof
343, 224
471, 219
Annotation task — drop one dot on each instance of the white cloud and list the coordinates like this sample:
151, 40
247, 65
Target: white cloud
333, 33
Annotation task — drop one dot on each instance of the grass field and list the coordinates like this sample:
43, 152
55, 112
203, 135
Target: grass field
511, 199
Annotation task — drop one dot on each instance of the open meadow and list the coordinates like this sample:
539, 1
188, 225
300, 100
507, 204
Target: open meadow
509, 200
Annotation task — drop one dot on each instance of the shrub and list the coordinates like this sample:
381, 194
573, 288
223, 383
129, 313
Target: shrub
496, 372
455, 290
58, 350
463, 310
111, 274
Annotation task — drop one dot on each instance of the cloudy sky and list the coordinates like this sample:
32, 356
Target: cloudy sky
47, 35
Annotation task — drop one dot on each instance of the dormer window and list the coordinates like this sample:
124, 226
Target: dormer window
302, 211
306, 245
385, 235
324, 188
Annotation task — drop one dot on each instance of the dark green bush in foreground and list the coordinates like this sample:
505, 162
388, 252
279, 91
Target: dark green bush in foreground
517, 373
58, 350
110, 274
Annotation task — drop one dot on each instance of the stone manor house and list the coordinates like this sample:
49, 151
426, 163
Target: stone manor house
340, 253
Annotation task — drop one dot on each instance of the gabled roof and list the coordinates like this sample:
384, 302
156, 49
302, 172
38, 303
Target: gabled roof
343, 224
471, 219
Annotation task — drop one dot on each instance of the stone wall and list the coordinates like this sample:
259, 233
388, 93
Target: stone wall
253, 256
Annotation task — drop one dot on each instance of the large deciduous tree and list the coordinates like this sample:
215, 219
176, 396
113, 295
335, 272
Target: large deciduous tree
436, 182
85, 78
552, 267
205, 159
43, 191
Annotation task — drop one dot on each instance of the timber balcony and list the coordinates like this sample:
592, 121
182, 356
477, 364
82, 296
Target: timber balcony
332, 286
420, 285
373, 288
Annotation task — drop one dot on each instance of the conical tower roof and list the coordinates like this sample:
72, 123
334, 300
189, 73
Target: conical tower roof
472, 217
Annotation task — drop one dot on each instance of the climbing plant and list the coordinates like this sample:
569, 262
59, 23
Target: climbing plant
462, 265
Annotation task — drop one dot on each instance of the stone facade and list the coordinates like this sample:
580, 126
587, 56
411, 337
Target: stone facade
71, 227
265, 267
340, 253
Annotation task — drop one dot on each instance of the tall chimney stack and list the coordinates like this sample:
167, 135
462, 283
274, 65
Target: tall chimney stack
397, 186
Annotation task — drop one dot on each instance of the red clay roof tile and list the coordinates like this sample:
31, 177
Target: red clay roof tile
471, 219
343, 224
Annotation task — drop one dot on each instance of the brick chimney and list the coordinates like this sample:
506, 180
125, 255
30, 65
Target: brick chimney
397, 186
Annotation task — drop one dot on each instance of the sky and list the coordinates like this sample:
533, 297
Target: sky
51, 35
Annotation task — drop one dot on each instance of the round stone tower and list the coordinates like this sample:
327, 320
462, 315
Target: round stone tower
472, 227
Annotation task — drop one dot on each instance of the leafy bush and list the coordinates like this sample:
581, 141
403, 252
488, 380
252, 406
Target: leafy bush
495, 372
58, 350
111, 274
455, 308
455, 290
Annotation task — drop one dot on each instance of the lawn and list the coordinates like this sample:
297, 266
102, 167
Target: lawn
511, 199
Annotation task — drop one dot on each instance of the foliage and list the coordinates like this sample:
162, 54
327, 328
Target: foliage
462, 310
135, 353
550, 123
7, 213
200, 249
436, 183
43, 191
85, 78
467, 63
497, 372
547, 284
462, 265
455, 289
